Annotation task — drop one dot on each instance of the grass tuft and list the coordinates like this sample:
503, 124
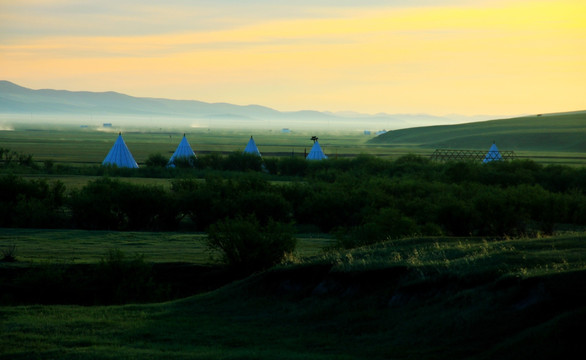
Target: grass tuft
9, 253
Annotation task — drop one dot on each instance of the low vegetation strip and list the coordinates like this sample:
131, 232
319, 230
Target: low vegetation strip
74, 246
363, 200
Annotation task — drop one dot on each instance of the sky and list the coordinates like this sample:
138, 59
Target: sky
437, 57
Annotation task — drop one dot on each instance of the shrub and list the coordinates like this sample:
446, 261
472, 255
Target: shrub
121, 279
115, 205
185, 162
456, 216
10, 158
9, 254
389, 223
26, 160
30, 203
264, 205
236, 161
117, 279
292, 166
156, 160
211, 161
246, 245
271, 165
48, 165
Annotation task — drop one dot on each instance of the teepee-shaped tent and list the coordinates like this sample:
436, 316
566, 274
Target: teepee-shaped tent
316, 153
183, 151
492, 154
119, 155
251, 148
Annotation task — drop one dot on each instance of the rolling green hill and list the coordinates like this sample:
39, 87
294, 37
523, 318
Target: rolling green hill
420, 298
560, 132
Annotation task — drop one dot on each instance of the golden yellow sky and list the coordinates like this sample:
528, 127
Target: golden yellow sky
435, 57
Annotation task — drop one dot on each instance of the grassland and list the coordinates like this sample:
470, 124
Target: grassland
548, 138
71, 145
424, 298
38, 246
84, 147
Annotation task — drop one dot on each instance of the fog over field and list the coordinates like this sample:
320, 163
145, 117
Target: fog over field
19, 105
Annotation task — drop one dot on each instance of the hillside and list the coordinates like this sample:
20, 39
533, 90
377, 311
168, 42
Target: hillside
421, 298
564, 132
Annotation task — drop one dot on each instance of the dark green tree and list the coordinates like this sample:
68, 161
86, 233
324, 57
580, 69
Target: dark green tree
246, 245
156, 160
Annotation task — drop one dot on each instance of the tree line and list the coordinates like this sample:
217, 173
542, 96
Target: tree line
362, 200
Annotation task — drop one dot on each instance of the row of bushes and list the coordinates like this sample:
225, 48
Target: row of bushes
364, 200
118, 278
31, 203
10, 158
556, 178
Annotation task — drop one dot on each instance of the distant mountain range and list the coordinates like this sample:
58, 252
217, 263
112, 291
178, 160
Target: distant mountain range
81, 105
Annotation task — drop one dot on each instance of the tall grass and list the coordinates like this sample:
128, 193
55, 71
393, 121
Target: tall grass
522, 257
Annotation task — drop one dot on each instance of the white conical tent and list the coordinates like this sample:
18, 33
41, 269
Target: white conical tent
183, 150
119, 155
492, 154
316, 153
251, 147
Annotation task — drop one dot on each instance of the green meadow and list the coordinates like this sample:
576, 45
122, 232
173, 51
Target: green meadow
426, 295
545, 138
424, 298
82, 146
45, 246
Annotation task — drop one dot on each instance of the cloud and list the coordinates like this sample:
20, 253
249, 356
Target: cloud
39, 18
369, 58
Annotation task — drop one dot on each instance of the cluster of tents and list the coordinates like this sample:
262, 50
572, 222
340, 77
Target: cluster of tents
120, 156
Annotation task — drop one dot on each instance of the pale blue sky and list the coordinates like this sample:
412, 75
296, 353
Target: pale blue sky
133, 17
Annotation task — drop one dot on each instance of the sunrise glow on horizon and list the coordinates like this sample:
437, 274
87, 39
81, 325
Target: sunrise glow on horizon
436, 57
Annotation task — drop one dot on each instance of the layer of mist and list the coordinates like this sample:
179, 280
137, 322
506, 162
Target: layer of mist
19, 105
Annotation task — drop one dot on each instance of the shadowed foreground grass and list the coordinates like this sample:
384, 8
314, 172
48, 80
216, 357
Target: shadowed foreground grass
424, 298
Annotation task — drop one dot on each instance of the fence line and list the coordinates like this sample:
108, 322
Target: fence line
471, 155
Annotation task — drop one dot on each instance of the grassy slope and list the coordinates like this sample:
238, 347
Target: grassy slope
549, 133
418, 298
